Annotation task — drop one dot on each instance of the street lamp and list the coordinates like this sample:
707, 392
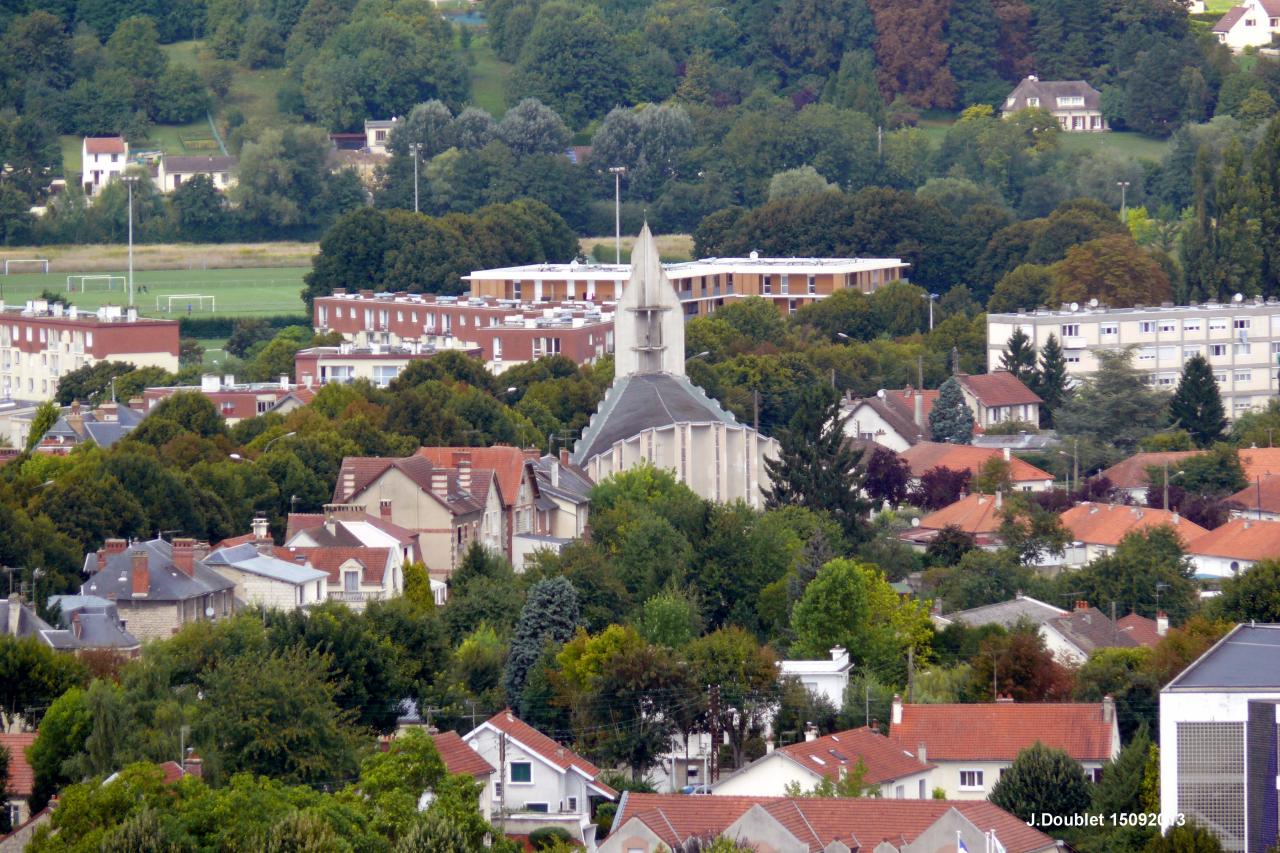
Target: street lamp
1124, 191
617, 172
129, 181
932, 297
416, 148
703, 354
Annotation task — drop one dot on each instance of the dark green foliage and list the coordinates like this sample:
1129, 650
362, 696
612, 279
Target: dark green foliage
1019, 356
1040, 781
1197, 405
1190, 837
950, 420
1114, 405
549, 836
1251, 596
886, 476
1130, 575
1050, 380
550, 616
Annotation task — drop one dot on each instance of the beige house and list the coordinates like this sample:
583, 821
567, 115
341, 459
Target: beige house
1074, 103
263, 579
102, 160
355, 576
175, 171
377, 134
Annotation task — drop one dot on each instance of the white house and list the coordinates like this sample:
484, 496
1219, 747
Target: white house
460, 758
1097, 529
1218, 739
102, 159
1254, 23
971, 745
261, 578
826, 678
539, 783
1074, 103
356, 575
999, 397
175, 171
1226, 551
377, 134
898, 773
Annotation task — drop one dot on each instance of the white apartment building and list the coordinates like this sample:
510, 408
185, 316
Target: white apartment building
1241, 341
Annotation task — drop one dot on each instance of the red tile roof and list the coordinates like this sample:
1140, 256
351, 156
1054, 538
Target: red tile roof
1143, 630
242, 539
999, 731
975, 513
1107, 524
359, 472
860, 824
331, 560
560, 756
1240, 539
1263, 492
1132, 472
828, 755
965, 457
904, 403
1259, 462
505, 462
172, 771
22, 778
104, 145
460, 758
298, 521
1000, 388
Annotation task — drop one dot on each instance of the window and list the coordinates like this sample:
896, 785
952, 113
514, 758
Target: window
350, 581
1071, 330
785, 281
920, 794
766, 284
1033, 102
812, 285
383, 374
1190, 352
536, 808
497, 791
1244, 376
573, 804
1217, 324
1241, 323
1147, 327
1168, 325
1217, 349
1242, 349
1109, 329
971, 780
1220, 377
1191, 326
1071, 101
900, 792
1147, 354
521, 773
1072, 357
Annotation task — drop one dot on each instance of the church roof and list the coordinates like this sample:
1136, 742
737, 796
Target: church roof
644, 401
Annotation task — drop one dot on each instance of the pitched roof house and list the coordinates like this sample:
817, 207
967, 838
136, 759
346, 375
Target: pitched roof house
175, 171
1259, 500
1074, 103
1073, 637
1006, 614
1253, 23
971, 744
975, 514
102, 160
22, 778
895, 772
87, 622
827, 677
103, 426
354, 575
1096, 529
998, 397
893, 419
262, 578
1130, 475
647, 823
545, 784
562, 505
459, 758
1235, 546
349, 526
927, 455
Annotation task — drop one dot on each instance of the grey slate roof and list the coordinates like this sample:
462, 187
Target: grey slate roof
99, 624
1048, 91
1229, 20
1008, 613
1248, 658
102, 433
168, 583
246, 558
644, 401
572, 483
1089, 629
215, 163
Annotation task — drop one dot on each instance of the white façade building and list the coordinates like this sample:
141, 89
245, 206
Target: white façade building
1218, 750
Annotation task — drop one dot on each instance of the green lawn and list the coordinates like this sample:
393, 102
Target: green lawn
488, 77
238, 292
1133, 146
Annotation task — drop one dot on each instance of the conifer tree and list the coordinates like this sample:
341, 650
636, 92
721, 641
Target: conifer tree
550, 615
1222, 248
1196, 405
1019, 356
1050, 380
1266, 183
951, 421
815, 467
1042, 780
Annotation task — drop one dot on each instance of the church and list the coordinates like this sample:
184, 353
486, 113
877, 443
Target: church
653, 414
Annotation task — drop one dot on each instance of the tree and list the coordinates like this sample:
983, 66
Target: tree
134, 48
1019, 356
550, 615
1050, 380
1196, 405
798, 183
1019, 665
1114, 270
46, 415
1190, 837
1120, 789
1143, 560
201, 211
940, 487
950, 420
1266, 182
1113, 405
746, 674
815, 467
1251, 596
1041, 781
63, 730
570, 60
886, 476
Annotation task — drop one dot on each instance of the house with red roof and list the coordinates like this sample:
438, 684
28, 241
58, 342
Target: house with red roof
22, 779
1228, 550
1259, 500
449, 507
924, 456
999, 397
539, 782
1097, 529
355, 575
647, 823
977, 514
896, 772
971, 744
102, 159
1129, 476
461, 759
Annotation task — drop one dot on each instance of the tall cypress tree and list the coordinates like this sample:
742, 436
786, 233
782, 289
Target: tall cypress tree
816, 467
1196, 405
975, 51
1019, 356
1050, 380
1266, 183
951, 421
1222, 249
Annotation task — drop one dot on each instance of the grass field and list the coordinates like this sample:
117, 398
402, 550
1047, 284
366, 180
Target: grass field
671, 247
238, 292
166, 256
1132, 146
488, 76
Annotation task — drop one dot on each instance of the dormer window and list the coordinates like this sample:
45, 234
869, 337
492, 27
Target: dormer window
1071, 101
1033, 102
351, 580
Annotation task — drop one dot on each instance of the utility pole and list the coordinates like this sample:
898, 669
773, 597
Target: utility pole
1166, 485
713, 709
755, 398
911, 674
866, 701
129, 181
1124, 190
473, 715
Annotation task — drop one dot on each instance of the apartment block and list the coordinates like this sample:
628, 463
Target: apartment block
1240, 340
703, 285
42, 341
503, 332
236, 401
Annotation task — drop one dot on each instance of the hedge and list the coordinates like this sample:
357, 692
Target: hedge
222, 327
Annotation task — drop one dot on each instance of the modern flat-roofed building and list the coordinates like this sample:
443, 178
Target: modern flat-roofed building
504, 332
41, 341
1240, 339
315, 366
702, 285
236, 401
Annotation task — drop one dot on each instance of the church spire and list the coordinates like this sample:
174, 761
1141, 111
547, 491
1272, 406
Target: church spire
649, 321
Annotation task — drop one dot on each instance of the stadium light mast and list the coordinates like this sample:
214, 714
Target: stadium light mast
617, 172
416, 148
129, 181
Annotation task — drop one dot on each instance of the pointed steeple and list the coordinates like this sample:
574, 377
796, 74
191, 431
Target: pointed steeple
649, 322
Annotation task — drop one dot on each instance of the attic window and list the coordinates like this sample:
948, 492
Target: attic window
1071, 101
1033, 102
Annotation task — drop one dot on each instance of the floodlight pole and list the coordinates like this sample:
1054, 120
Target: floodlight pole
416, 148
129, 181
617, 172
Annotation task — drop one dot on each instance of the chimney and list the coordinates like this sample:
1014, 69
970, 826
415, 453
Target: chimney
1082, 605
141, 577
184, 556
810, 732
922, 753
919, 400
839, 655
261, 528
1008, 455
555, 473
440, 484
768, 745
192, 765
564, 456
76, 628
1108, 709
384, 509
999, 498
116, 546
1162, 623
896, 717
464, 473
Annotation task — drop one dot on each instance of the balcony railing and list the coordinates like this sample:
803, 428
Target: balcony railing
354, 597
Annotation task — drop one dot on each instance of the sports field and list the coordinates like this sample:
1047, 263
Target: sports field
240, 292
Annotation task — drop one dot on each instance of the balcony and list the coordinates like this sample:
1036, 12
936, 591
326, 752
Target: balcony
1074, 342
355, 597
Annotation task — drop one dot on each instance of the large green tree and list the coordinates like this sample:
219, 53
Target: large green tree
1050, 380
1197, 405
550, 616
1042, 780
950, 420
1113, 405
1019, 356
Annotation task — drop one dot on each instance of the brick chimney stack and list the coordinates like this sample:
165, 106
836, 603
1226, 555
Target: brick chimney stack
384, 509
440, 484
1082, 605
184, 556
140, 576
192, 765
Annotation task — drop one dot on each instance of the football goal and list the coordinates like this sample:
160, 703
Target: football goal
186, 301
44, 263
84, 283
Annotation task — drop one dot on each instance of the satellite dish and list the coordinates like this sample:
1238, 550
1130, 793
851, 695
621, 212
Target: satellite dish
880, 393
1239, 297
755, 255
915, 522
209, 611
1075, 306
1093, 303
